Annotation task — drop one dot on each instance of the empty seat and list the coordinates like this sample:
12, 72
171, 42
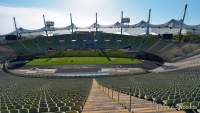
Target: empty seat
23, 110
72, 112
77, 108
4, 111
65, 108
14, 111
61, 104
43, 105
54, 109
18, 107
28, 106
33, 110
4, 107
43, 109
11, 107
52, 105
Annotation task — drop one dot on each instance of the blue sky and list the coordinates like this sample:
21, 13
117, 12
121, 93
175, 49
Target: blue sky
28, 12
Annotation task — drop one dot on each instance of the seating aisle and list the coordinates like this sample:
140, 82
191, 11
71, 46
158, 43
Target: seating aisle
99, 102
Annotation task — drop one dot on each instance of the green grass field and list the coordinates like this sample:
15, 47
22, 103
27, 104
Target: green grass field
87, 53
82, 60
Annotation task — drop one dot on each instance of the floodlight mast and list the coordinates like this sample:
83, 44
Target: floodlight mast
45, 27
148, 23
72, 25
122, 16
182, 21
16, 29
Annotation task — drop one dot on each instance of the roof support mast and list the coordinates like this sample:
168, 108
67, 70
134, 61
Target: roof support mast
122, 16
72, 25
16, 29
96, 24
45, 27
182, 21
95, 36
148, 23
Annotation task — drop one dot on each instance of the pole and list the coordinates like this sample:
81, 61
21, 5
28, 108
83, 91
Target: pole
182, 21
112, 92
122, 14
96, 23
108, 91
45, 25
130, 99
118, 96
96, 27
72, 25
148, 23
17, 33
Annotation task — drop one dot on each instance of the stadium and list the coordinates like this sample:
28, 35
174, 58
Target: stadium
119, 68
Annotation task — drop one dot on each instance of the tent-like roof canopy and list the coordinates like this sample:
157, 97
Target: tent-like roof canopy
142, 24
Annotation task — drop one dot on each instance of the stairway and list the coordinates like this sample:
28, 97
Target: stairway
99, 102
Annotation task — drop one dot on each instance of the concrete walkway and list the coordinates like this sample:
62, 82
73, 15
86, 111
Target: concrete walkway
99, 102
